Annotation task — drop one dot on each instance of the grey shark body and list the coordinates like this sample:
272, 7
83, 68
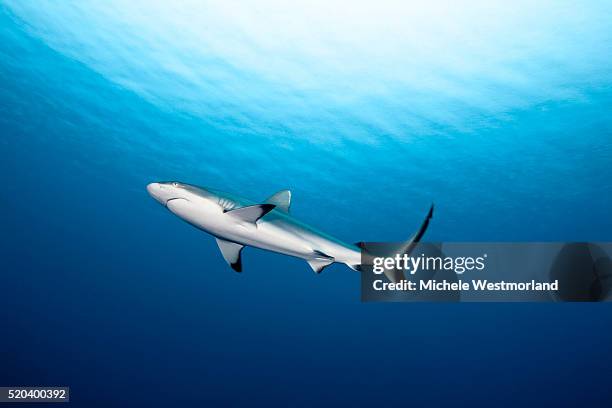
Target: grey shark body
236, 222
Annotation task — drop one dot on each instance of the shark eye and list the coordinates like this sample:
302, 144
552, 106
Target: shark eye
175, 184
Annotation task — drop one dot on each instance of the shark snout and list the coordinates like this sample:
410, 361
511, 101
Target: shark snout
156, 190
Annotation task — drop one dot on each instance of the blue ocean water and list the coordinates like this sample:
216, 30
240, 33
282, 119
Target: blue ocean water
498, 113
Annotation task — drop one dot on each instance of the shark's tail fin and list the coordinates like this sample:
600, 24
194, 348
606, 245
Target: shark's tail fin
408, 246
396, 275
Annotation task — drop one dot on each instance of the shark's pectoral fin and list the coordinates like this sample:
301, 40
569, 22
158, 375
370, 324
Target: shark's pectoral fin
320, 261
281, 199
251, 213
231, 253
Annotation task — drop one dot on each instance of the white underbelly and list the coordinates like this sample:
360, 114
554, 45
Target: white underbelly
277, 235
272, 238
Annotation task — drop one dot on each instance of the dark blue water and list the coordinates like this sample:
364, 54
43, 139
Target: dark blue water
504, 123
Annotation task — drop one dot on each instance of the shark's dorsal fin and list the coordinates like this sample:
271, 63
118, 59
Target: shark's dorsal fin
251, 213
320, 261
281, 199
231, 253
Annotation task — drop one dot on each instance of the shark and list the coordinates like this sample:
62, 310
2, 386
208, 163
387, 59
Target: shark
236, 222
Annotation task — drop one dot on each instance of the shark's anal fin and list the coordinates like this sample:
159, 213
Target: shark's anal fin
251, 213
281, 199
231, 253
320, 261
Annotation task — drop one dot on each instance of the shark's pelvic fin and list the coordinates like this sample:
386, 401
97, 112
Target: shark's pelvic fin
320, 261
231, 253
251, 213
281, 199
